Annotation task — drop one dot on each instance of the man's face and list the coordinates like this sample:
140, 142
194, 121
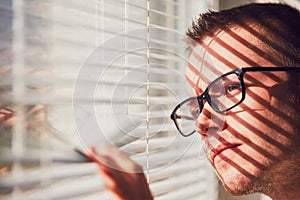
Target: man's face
245, 142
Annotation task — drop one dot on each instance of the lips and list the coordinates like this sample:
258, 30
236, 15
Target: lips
220, 148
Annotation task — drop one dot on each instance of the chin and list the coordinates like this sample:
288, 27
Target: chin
236, 183
239, 190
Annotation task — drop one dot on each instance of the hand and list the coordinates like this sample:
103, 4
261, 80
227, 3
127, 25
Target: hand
122, 177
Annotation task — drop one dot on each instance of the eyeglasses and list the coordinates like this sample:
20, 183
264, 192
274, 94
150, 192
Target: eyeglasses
222, 94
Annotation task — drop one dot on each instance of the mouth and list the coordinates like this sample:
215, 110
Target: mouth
220, 148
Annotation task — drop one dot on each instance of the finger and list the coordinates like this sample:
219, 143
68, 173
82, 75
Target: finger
122, 160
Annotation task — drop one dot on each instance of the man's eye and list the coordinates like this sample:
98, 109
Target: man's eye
232, 89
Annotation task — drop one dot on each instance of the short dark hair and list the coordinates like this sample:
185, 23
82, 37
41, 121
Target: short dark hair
277, 25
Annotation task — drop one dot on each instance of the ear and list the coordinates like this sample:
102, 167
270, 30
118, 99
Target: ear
295, 98
294, 83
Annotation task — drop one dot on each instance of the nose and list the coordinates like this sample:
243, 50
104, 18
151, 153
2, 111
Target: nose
210, 122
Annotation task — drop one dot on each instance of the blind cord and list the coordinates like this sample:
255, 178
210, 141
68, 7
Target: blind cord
148, 92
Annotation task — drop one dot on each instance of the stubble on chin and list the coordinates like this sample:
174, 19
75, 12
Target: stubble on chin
236, 183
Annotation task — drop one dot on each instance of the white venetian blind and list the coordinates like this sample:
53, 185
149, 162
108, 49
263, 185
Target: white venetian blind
79, 73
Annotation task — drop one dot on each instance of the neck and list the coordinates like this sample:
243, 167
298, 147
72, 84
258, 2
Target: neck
286, 195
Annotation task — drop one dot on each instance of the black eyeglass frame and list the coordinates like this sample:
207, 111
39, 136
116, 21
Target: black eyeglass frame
205, 96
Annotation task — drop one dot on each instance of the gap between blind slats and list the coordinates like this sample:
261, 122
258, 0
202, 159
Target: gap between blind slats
172, 2
70, 62
60, 190
159, 159
179, 167
72, 44
164, 14
164, 70
154, 143
190, 192
68, 84
33, 177
94, 196
42, 81
63, 189
155, 68
34, 156
163, 28
154, 100
171, 56
159, 56
67, 43
139, 133
176, 3
32, 99
152, 114
177, 182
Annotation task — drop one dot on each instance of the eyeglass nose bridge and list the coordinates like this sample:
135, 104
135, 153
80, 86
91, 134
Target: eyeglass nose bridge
203, 97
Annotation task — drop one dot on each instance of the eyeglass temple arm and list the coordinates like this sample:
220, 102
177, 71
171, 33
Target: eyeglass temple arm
255, 69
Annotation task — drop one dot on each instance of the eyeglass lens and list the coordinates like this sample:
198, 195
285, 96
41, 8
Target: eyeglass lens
186, 116
224, 93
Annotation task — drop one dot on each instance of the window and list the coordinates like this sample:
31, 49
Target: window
78, 73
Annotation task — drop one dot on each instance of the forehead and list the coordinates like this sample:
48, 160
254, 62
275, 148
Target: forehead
226, 51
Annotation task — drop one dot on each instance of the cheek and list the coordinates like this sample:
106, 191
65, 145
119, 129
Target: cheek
257, 98
259, 133
250, 117
244, 127
266, 118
